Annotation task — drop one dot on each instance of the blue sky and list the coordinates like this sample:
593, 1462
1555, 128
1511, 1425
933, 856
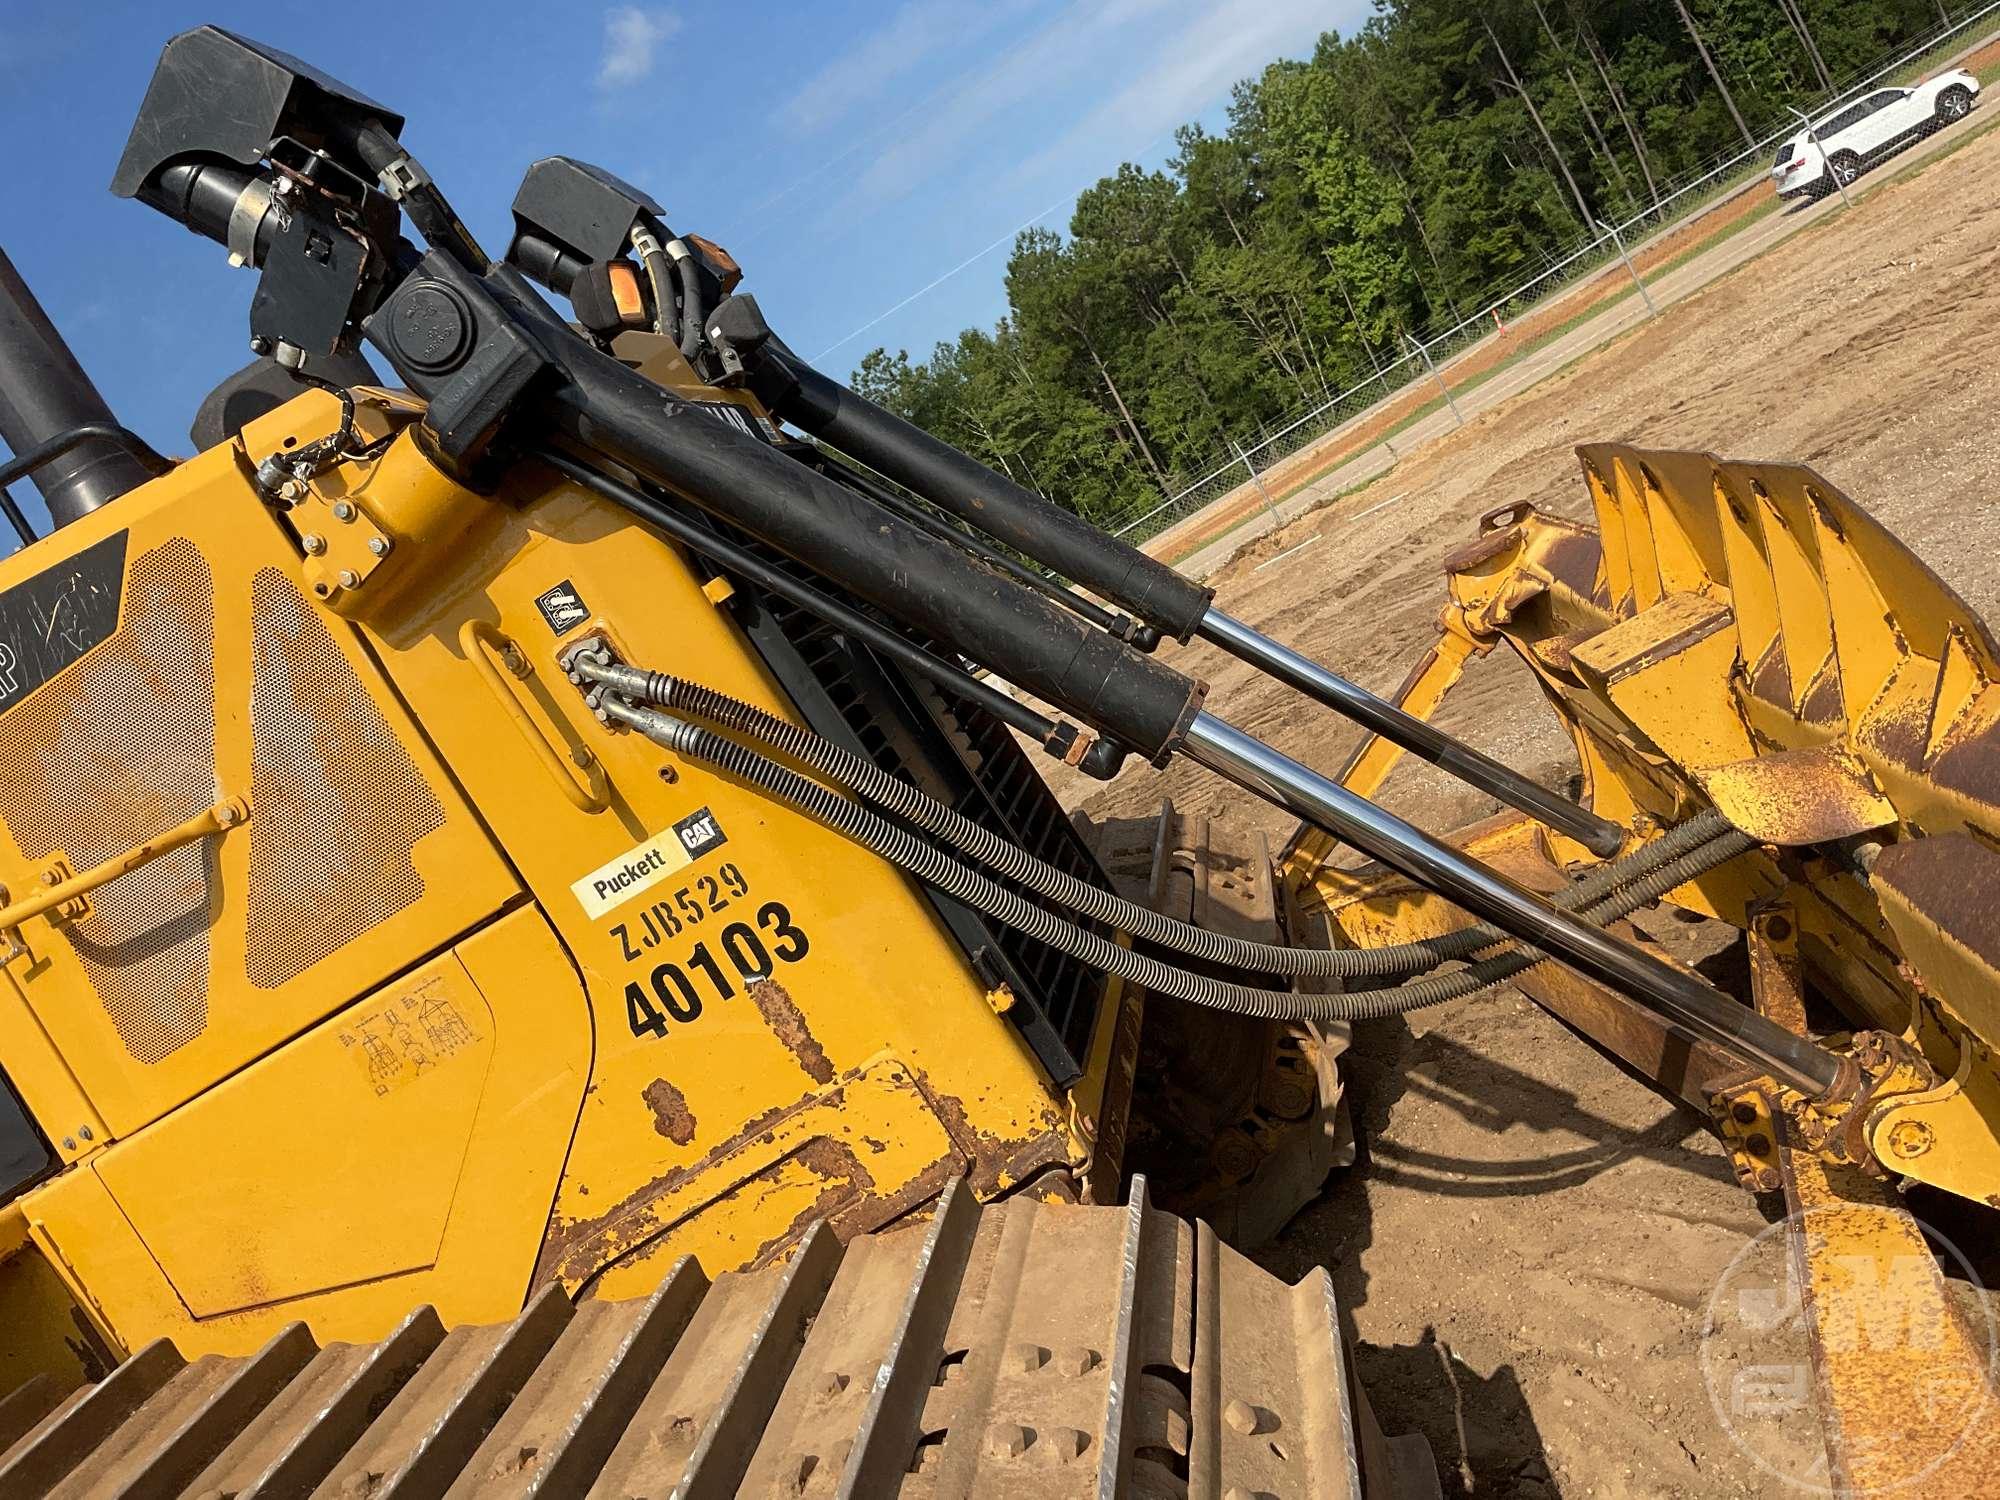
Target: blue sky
850, 154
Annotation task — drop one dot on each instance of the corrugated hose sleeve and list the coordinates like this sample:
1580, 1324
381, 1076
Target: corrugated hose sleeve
1012, 863
924, 861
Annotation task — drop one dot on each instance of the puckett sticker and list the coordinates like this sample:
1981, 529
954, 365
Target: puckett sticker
646, 865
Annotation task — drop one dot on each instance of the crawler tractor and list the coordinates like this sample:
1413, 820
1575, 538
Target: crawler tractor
538, 958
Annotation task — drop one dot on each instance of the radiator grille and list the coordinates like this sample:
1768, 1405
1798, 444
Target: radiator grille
338, 805
120, 748
963, 757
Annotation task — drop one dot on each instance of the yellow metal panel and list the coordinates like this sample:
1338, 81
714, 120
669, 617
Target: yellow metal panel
690, 1043
535, 1062
871, 1136
207, 510
332, 1161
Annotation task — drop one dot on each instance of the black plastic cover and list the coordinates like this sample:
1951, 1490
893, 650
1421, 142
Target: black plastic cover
219, 96
583, 209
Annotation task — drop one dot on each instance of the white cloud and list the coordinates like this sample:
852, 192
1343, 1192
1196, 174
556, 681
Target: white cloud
1082, 40
632, 37
862, 74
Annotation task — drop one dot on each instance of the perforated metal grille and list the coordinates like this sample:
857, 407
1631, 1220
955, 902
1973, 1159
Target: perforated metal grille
121, 748
337, 804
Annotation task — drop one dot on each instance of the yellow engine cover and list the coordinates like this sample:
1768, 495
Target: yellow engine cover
481, 994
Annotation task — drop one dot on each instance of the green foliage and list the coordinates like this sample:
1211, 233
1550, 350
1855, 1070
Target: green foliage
1389, 183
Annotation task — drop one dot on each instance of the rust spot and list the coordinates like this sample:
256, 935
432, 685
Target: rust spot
1772, 679
1971, 766
845, 1183
89, 1348
671, 1115
782, 1014
1950, 880
575, 1249
1822, 705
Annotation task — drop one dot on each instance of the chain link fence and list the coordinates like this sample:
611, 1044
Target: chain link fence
1251, 459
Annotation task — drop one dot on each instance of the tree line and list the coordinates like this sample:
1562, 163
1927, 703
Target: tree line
1386, 184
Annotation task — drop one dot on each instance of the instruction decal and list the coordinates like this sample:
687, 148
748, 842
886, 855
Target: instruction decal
641, 868
563, 607
413, 1034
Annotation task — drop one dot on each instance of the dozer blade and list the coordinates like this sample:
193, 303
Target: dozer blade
1026, 1348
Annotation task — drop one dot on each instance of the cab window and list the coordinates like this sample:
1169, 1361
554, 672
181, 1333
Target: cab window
24, 1155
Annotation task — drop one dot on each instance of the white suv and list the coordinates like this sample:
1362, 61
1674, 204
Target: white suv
1870, 128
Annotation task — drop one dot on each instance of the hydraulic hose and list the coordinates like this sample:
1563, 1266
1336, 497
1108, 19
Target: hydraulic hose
927, 863
1434, 989
693, 314
1009, 861
659, 275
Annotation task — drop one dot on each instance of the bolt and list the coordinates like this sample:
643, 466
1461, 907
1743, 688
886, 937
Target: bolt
1076, 1359
349, 578
1769, 1180
69, 1144
51, 879
379, 545
1027, 1358
343, 510
669, 775
1778, 928
1061, 1445
1757, 1145
1289, 1098
259, 344
1007, 1440
1743, 1112
225, 816
85, 1133
1242, 1416
292, 491
1911, 1138
313, 541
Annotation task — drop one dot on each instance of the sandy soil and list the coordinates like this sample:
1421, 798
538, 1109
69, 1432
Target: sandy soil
1528, 1243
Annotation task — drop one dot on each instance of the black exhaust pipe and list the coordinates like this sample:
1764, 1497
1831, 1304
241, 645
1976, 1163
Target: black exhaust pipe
44, 394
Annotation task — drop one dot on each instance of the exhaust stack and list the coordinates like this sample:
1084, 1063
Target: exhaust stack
45, 393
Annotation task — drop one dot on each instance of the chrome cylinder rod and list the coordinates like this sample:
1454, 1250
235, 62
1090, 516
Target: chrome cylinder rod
1599, 835
1690, 1007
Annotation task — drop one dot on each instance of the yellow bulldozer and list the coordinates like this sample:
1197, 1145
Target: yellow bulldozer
538, 958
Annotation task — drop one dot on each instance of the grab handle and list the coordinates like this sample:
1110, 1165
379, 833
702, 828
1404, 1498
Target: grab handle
217, 819
476, 638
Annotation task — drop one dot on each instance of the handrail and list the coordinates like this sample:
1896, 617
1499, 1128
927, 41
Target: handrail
223, 816
475, 639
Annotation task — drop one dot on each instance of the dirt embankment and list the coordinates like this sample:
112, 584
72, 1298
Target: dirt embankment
1528, 1243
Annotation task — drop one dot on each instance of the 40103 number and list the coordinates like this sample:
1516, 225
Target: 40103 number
676, 992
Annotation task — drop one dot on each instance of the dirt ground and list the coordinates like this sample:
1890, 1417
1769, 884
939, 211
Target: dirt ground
1527, 1245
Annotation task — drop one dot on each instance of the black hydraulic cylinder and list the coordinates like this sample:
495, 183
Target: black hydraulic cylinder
43, 394
919, 578
1145, 637
1067, 543
962, 485
725, 554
